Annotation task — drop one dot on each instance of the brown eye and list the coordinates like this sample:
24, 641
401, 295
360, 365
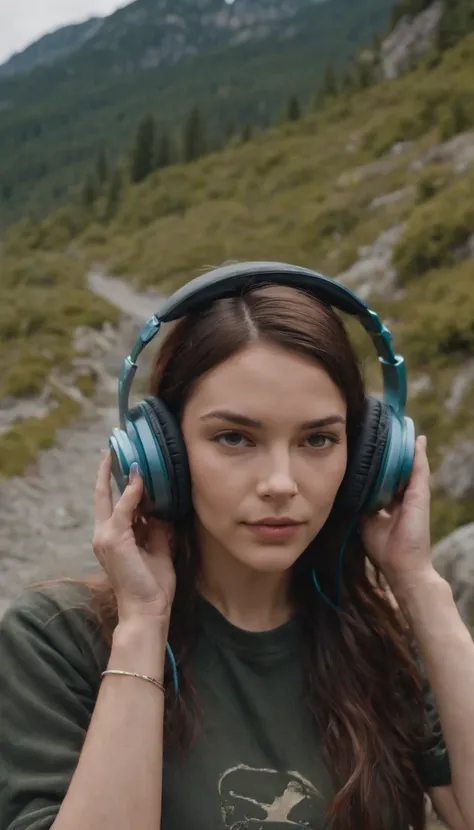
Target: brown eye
231, 439
320, 442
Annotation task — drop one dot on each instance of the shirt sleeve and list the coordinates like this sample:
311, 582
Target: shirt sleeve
433, 758
49, 677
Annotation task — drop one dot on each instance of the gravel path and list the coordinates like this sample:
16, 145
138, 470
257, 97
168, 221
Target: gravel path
46, 516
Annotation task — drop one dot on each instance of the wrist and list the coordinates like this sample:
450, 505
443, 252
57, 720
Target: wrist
140, 646
414, 586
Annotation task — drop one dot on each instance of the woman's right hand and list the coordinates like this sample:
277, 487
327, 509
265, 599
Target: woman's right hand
134, 553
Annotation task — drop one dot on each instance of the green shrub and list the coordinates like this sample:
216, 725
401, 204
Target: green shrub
436, 231
44, 299
20, 445
438, 317
432, 180
455, 116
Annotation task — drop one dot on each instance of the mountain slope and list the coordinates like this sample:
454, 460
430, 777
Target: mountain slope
53, 120
375, 189
146, 34
51, 47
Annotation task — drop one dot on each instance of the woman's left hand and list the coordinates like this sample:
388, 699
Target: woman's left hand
397, 539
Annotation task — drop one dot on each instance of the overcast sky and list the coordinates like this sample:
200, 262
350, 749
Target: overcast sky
23, 21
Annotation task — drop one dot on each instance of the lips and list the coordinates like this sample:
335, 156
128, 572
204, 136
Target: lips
271, 529
273, 522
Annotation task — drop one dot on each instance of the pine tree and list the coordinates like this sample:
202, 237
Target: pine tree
164, 155
143, 154
7, 191
348, 82
294, 109
114, 192
247, 133
102, 168
89, 192
194, 138
365, 74
329, 84
229, 130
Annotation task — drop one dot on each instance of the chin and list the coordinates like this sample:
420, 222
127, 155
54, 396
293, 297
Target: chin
268, 558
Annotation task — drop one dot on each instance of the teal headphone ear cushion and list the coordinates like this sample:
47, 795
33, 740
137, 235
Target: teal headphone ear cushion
363, 472
168, 435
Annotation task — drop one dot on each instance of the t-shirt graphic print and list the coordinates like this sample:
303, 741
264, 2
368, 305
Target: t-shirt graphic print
264, 798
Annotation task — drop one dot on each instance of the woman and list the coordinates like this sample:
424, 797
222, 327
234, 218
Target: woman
290, 713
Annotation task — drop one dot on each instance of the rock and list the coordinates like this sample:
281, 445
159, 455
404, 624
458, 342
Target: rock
400, 147
353, 143
458, 151
410, 38
373, 273
453, 558
455, 476
461, 383
418, 385
392, 198
371, 170
465, 251
14, 410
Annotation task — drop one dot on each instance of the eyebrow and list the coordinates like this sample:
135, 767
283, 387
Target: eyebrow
243, 420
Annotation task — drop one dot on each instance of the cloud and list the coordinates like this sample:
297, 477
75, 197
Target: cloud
23, 21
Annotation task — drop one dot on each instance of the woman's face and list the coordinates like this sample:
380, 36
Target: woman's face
265, 432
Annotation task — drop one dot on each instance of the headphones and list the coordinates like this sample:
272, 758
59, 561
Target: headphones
149, 435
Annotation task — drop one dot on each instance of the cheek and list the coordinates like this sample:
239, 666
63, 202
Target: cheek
324, 484
213, 490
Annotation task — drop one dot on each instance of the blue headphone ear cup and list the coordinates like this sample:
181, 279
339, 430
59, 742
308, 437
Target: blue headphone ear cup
363, 472
173, 451
397, 464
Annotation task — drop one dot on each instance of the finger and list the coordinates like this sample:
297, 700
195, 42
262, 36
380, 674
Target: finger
424, 454
123, 515
103, 501
419, 484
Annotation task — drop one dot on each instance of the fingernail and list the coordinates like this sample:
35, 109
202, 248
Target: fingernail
134, 471
103, 454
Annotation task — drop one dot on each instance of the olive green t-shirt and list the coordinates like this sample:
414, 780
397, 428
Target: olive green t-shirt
256, 764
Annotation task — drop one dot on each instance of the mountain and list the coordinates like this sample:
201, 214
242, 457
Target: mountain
51, 47
148, 34
239, 63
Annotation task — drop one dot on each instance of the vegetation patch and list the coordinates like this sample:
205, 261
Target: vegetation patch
44, 300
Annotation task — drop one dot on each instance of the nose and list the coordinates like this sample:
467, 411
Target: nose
278, 482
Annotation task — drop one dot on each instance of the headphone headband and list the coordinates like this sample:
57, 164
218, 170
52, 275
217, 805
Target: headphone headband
230, 280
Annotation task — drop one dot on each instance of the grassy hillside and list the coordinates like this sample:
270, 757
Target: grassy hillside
56, 119
316, 192
44, 300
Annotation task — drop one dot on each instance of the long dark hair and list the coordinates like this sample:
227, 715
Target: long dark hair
364, 687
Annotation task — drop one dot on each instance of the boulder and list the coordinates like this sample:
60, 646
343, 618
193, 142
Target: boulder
410, 38
453, 558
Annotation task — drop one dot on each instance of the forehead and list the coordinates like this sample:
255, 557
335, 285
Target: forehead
265, 380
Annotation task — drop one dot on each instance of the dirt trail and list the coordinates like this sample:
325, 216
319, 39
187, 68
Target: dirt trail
46, 516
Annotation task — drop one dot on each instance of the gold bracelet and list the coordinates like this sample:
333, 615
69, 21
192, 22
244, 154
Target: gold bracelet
133, 674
